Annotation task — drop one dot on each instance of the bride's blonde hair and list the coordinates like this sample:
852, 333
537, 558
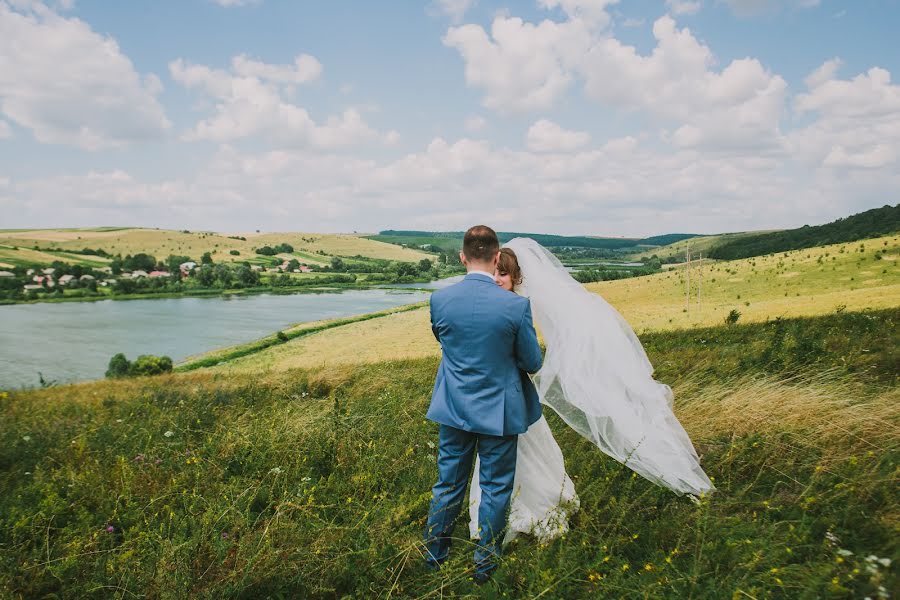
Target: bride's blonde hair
509, 264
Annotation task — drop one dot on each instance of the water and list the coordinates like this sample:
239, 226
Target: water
73, 341
431, 285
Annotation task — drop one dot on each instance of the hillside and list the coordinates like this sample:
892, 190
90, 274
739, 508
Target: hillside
315, 483
704, 244
16, 246
869, 224
812, 282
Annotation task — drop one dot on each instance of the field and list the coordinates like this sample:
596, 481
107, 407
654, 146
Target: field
760, 289
802, 282
309, 247
315, 483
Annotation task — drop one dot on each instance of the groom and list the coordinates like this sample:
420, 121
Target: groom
487, 336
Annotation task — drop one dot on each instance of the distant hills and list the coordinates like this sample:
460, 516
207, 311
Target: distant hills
452, 240
871, 223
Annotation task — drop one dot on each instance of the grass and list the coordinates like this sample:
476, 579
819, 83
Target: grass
314, 483
161, 243
858, 276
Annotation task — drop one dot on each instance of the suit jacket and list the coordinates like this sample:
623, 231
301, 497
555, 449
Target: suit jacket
489, 344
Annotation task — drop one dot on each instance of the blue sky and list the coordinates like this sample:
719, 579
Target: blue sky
564, 116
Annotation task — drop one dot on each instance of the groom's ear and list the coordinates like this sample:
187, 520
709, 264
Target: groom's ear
462, 258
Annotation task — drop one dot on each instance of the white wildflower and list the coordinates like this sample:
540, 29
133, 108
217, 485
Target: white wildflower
306, 479
431, 445
275, 471
169, 433
27, 438
843, 552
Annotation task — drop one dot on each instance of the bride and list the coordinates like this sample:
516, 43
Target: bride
597, 378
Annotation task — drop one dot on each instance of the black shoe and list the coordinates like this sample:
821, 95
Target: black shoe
482, 578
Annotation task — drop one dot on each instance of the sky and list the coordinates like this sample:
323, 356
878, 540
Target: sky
575, 117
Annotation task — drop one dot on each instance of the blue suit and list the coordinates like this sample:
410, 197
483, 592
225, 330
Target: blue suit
482, 398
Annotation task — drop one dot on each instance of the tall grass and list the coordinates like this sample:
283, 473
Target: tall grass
315, 484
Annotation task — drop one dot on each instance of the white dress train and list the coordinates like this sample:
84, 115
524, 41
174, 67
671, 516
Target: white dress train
598, 379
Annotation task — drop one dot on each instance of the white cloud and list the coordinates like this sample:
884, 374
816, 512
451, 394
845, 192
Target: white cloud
69, 85
455, 9
521, 66
251, 101
547, 136
5, 131
594, 12
475, 124
857, 121
683, 7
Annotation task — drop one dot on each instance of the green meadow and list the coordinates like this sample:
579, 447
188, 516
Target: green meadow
314, 483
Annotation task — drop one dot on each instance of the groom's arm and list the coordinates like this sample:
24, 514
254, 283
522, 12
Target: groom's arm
528, 351
431, 312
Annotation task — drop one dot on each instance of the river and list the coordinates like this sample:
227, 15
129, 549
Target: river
73, 341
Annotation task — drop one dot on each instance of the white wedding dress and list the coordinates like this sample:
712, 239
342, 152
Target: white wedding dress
597, 378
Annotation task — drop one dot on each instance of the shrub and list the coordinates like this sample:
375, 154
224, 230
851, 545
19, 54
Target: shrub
732, 317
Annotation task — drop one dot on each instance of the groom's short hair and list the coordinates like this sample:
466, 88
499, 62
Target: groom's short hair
480, 243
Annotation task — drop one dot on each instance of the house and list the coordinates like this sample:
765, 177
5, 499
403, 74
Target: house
29, 272
155, 274
187, 267
138, 273
305, 269
272, 270
40, 279
48, 271
32, 286
7, 274
65, 279
86, 277
285, 266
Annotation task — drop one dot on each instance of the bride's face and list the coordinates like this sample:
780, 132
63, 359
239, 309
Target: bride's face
503, 279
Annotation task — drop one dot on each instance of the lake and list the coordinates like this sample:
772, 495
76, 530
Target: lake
73, 341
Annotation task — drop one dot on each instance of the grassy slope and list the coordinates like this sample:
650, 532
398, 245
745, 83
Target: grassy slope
655, 303
791, 285
161, 243
316, 483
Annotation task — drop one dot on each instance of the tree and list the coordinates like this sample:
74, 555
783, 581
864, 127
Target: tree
206, 276
206, 259
118, 366
145, 262
424, 265
337, 264
174, 262
293, 264
247, 276
147, 364
266, 251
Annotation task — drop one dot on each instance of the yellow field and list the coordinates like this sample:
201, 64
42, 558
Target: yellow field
793, 285
162, 242
797, 283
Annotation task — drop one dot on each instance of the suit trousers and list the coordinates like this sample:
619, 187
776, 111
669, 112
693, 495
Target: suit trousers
456, 454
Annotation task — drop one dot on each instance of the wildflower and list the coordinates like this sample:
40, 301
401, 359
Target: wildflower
843, 552
595, 577
818, 468
224, 535
431, 445
606, 559
169, 433
27, 438
648, 567
635, 536
773, 570
139, 458
306, 480
835, 580
778, 581
157, 461
625, 567
275, 471
110, 529
118, 420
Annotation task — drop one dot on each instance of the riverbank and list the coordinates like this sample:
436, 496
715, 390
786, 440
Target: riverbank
221, 355
213, 293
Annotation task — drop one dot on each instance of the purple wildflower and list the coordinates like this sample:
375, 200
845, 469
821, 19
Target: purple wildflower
110, 529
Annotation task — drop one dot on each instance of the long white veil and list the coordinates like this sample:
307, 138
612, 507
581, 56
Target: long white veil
598, 378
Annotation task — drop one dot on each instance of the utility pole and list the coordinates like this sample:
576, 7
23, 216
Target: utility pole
700, 282
687, 276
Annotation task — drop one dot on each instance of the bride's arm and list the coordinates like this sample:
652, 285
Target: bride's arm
528, 351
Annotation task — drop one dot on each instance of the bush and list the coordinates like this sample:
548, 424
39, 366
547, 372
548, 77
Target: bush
145, 364
732, 317
234, 252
